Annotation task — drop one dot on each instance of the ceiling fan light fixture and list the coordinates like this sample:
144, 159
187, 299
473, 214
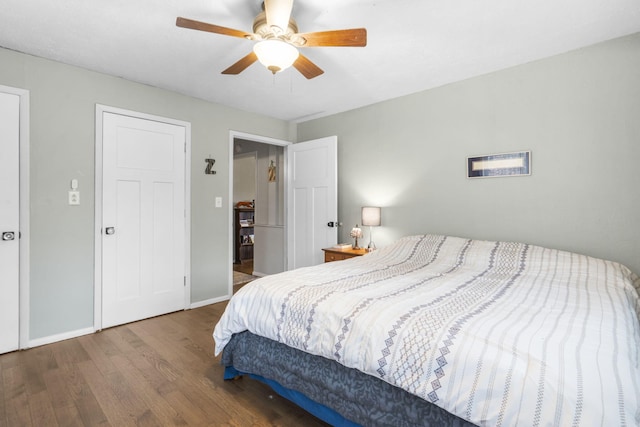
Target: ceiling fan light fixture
276, 55
277, 14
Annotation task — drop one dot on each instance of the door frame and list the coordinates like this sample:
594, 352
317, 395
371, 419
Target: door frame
233, 135
100, 110
24, 203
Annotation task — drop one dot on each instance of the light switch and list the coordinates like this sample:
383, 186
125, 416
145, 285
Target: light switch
218, 202
74, 197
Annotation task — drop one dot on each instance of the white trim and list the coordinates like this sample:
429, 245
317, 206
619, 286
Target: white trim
25, 201
25, 220
60, 337
100, 110
258, 274
257, 138
97, 223
209, 302
187, 215
233, 135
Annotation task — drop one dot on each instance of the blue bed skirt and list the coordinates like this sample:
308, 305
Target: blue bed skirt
327, 415
329, 390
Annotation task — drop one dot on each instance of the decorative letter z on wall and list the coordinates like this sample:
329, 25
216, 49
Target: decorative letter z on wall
210, 163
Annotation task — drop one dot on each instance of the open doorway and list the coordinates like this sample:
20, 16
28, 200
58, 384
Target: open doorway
244, 196
258, 236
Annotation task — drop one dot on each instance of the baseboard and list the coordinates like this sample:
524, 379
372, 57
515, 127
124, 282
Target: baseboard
60, 337
257, 273
86, 331
209, 301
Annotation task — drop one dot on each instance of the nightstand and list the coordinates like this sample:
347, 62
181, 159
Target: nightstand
333, 254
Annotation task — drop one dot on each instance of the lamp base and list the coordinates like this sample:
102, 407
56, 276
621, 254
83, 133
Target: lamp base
372, 246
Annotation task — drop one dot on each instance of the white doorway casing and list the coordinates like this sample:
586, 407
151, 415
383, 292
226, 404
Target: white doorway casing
14, 219
319, 158
142, 216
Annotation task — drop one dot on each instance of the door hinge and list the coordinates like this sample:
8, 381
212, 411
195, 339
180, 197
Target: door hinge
185, 281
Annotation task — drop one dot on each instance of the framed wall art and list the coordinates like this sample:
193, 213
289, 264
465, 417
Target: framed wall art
499, 165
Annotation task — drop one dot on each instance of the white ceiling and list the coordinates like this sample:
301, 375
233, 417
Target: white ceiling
413, 45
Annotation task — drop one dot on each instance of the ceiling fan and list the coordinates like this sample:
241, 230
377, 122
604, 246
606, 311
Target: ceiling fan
278, 39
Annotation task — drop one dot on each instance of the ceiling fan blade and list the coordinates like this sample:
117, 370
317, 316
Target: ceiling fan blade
203, 26
278, 13
242, 64
306, 67
354, 37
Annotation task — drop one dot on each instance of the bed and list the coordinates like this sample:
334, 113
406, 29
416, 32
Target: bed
440, 330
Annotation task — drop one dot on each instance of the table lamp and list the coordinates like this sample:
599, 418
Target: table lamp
371, 217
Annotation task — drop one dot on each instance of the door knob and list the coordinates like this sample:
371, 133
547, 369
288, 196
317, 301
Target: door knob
8, 235
110, 230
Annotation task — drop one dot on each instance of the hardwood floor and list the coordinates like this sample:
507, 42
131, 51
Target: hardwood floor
156, 372
245, 266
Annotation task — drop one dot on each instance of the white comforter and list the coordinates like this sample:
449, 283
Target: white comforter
496, 333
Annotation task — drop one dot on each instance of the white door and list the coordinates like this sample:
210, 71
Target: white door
312, 200
9, 221
143, 218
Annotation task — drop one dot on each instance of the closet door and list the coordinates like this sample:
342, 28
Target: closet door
143, 218
9, 221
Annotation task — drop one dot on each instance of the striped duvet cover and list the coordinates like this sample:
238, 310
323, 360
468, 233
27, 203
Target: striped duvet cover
496, 333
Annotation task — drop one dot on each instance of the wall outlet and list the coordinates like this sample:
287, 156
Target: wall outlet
218, 202
74, 197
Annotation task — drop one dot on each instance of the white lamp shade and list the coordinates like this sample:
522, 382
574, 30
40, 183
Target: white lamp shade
371, 216
276, 55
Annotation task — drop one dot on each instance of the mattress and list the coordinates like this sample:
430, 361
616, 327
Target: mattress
496, 333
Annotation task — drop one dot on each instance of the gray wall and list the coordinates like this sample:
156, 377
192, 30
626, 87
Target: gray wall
269, 196
579, 114
244, 177
62, 115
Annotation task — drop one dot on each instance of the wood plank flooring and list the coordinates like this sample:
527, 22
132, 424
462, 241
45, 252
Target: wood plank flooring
156, 372
246, 266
